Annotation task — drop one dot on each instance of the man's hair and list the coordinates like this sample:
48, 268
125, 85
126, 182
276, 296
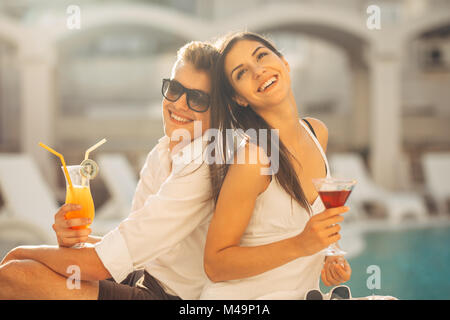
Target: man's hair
202, 55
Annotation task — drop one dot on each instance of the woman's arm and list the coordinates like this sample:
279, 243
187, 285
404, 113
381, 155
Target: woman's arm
225, 259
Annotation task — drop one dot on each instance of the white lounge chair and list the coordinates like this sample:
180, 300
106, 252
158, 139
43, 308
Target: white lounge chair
397, 204
436, 169
121, 181
29, 203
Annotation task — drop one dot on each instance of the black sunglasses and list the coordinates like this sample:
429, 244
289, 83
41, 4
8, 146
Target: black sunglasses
337, 293
197, 100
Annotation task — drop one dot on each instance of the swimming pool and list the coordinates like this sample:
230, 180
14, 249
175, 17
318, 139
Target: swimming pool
414, 264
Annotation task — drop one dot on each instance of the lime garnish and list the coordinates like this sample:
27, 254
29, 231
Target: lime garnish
89, 169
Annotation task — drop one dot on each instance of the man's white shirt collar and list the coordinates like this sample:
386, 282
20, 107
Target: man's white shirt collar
192, 152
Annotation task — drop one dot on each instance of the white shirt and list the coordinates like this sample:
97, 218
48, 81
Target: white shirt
166, 231
276, 216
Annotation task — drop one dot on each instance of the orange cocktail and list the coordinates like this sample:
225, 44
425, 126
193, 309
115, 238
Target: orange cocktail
79, 193
82, 196
77, 185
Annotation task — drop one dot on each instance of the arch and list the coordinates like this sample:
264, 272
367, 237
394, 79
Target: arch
30, 44
93, 17
428, 22
341, 28
12, 32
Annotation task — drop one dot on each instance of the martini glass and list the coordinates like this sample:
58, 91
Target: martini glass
334, 193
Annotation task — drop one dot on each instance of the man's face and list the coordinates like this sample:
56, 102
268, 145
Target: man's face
177, 115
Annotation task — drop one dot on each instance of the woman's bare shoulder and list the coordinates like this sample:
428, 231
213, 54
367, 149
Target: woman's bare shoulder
321, 131
248, 166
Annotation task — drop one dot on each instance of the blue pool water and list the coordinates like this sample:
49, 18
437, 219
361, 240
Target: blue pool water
414, 264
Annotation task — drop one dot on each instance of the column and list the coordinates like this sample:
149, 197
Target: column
37, 114
360, 107
385, 117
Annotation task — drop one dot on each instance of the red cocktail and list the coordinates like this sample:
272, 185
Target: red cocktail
334, 193
333, 199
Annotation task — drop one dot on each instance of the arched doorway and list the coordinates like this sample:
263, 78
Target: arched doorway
426, 79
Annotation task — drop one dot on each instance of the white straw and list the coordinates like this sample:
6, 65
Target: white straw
95, 146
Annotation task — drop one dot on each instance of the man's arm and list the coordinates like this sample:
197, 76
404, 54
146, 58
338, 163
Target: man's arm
181, 205
60, 259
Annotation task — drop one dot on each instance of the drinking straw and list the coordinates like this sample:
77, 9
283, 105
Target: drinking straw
95, 146
62, 161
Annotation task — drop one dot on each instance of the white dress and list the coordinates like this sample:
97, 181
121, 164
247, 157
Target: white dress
276, 216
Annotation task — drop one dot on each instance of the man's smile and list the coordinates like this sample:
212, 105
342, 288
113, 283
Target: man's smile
178, 119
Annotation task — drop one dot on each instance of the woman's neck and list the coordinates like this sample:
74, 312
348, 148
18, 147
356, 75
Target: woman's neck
285, 118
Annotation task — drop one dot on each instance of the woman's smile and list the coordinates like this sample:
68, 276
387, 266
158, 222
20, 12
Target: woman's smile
268, 84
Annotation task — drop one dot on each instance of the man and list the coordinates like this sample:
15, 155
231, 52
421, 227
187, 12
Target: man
165, 233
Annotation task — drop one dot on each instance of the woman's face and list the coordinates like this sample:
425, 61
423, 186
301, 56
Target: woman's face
259, 77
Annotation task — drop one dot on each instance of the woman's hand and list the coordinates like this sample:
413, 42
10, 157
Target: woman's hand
67, 237
321, 230
335, 271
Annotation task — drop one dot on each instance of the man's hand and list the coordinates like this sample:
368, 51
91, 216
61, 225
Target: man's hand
67, 237
335, 271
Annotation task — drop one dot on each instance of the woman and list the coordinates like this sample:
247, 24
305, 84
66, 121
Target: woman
268, 231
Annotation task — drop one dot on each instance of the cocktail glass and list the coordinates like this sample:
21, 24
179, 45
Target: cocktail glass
334, 193
79, 193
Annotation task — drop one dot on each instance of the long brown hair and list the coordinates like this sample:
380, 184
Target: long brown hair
227, 114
